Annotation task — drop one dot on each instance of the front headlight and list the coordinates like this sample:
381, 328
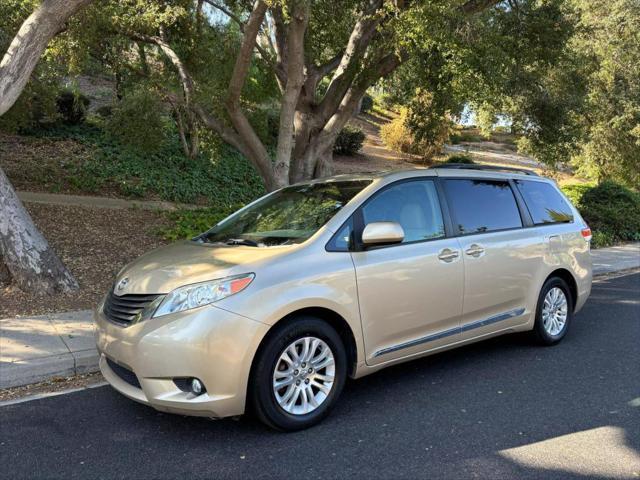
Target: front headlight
200, 294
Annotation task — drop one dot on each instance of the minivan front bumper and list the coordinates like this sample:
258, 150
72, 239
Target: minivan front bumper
142, 361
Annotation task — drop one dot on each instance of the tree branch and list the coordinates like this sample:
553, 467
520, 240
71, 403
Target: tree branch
277, 69
280, 35
29, 43
240, 122
227, 134
185, 78
295, 80
471, 7
227, 12
328, 67
359, 40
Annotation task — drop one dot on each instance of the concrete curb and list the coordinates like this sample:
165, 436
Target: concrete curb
615, 259
34, 349
101, 202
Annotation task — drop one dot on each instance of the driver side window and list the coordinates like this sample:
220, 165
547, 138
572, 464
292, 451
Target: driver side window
414, 205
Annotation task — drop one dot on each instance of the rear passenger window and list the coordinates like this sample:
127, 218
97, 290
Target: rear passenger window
479, 206
414, 205
544, 202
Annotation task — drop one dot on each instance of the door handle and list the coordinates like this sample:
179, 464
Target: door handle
448, 255
474, 250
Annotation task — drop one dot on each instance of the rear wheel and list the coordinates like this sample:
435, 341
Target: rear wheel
554, 312
298, 375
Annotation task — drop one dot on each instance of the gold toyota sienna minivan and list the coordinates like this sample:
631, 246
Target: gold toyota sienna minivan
271, 309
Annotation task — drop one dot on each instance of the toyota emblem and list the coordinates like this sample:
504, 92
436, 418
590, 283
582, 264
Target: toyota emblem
122, 283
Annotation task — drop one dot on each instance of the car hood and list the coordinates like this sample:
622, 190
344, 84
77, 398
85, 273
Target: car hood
166, 268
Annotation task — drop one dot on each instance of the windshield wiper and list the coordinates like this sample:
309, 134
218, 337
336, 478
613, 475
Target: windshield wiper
241, 241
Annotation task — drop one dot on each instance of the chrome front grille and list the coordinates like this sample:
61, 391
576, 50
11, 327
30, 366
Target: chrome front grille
124, 309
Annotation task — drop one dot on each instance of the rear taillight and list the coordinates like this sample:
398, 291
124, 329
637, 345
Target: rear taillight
586, 234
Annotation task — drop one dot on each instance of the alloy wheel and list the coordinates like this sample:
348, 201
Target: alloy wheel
554, 311
304, 375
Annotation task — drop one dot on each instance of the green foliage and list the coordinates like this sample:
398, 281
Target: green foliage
367, 103
611, 210
460, 158
566, 72
349, 141
137, 120
266, 122
219, 177
72, 106
486, 119
37, 103
575, 191
602, 239
608, 42
104, 111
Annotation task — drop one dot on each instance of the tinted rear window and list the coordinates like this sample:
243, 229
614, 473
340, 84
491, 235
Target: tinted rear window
544, 202
479, 206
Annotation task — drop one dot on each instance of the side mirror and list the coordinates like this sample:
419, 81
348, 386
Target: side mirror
379, 233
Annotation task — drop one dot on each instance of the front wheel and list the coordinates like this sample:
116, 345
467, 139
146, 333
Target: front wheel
554, 312
298, 374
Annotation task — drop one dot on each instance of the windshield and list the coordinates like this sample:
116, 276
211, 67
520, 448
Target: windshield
286, 217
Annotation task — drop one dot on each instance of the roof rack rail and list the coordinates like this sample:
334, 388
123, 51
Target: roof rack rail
471, 166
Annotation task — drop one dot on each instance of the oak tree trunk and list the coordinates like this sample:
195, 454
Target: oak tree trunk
32, 264
5, 276
27, 46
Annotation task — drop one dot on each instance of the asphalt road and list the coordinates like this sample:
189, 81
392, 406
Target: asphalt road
498, 409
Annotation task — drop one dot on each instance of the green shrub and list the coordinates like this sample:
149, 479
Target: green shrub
575, 191
219, 177
137, 120
349, 141
600, 239
611, 210
459, 158
104, 111
72, 106
367, 103
266, 123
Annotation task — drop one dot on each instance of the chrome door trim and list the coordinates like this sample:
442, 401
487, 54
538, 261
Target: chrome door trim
452, 331
418, 341
496, 318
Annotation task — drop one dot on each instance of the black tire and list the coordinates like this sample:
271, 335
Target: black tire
540, 334
262, 399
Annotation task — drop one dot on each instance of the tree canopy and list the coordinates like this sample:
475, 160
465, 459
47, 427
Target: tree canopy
279, 79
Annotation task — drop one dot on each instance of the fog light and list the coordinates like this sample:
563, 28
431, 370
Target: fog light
196, 386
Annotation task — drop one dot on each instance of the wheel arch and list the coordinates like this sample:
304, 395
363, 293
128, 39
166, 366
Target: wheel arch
569, 279
334, 319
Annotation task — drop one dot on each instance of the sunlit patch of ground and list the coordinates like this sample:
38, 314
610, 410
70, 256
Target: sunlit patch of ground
602, 452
